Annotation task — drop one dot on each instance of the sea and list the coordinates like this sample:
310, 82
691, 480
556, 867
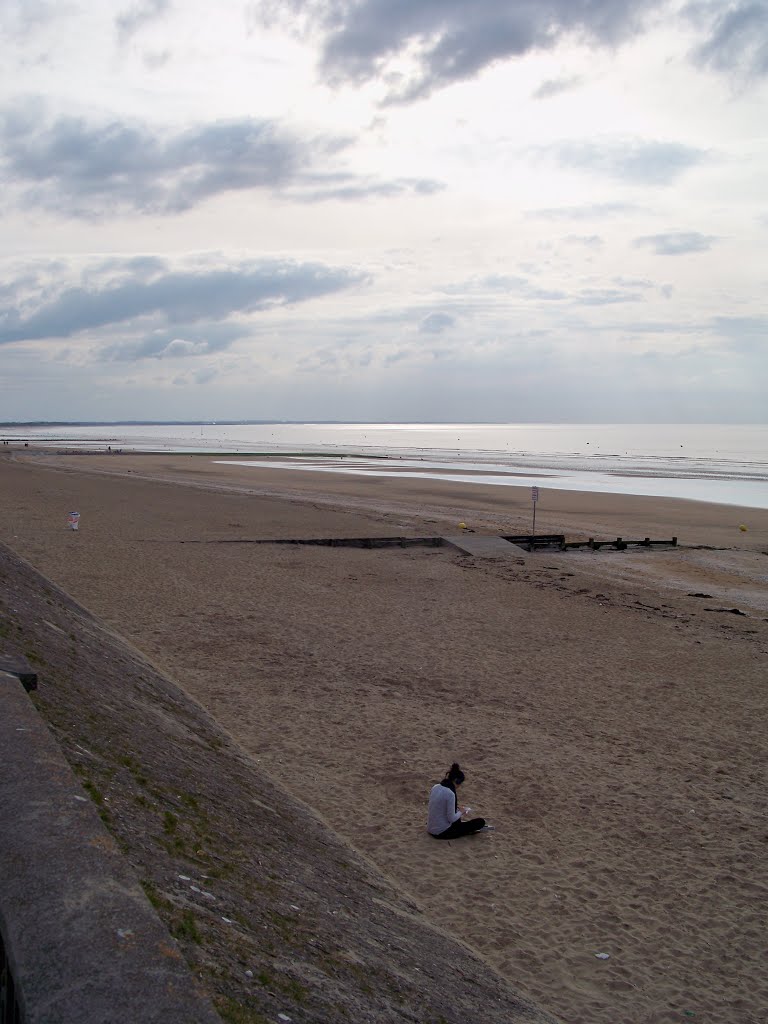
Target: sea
725, 464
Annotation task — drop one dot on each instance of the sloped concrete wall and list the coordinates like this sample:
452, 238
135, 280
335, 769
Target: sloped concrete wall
83, 944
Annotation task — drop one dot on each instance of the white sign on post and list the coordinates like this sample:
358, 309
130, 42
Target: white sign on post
534, 499
534, 494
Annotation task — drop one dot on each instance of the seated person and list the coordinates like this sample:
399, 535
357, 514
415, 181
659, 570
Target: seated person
445, 815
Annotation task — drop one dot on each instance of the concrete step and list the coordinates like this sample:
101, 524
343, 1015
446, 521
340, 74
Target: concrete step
482, 546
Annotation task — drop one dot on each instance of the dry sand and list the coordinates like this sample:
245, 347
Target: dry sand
612, 726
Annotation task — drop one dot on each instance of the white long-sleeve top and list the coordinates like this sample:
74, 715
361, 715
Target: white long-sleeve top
442, 810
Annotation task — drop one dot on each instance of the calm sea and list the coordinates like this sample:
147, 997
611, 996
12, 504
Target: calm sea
704, 462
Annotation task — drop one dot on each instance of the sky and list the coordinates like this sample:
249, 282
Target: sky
384, 210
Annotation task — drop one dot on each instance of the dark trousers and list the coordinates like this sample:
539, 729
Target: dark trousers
462, 828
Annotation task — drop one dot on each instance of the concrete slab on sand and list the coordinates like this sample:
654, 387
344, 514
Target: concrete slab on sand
483, 546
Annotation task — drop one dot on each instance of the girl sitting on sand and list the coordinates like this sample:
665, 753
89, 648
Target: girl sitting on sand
444, 812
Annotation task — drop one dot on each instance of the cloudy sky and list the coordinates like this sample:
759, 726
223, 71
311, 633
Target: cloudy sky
548, 210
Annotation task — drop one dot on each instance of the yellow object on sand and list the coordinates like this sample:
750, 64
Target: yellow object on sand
462, 526
743, 528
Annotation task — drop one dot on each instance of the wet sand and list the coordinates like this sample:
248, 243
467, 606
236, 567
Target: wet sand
612, 726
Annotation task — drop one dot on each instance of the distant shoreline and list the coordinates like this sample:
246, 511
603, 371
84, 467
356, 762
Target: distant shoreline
736, 492
578, 512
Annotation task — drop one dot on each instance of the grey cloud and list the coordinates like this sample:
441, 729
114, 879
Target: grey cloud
737, 39
604, 296
18, 18
489, 283
77, 168
661, 327
592, 211
589, 241
745, 333
628, 159
182, 347
633, 282
319, 359
154, 59
167, 344
344, 188
502, 282
676, 243
392, 358
205, 374
13, 290
740, 324
555, 86
202, 375
137, 268
436, 323
84, 170
450, 40
546, 294
175, 296
136, 17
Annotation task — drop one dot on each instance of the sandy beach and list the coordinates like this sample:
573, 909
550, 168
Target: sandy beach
612, 724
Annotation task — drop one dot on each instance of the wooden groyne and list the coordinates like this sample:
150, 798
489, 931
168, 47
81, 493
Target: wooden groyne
620, 544
336, 542
557, 540
469, 542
